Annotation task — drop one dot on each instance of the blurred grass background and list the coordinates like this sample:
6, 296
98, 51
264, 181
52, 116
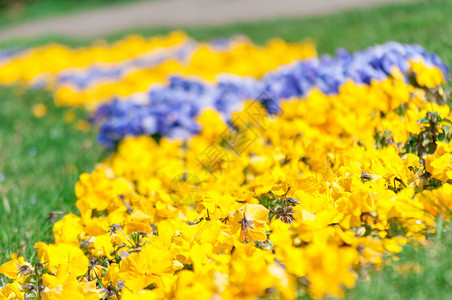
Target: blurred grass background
17, 11
40, 162
41, 158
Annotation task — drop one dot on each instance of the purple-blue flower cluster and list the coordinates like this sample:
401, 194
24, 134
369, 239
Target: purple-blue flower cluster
98, 72
170, 110
84, 77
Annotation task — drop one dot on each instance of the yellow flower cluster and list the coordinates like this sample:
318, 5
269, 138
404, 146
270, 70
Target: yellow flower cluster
51, 59
243, 59
240, 57
268, 207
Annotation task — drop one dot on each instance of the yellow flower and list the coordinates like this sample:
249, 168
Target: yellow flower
141, 295
439, 164
145, 267
12, 291
187, 285
65, 257
250, 273
250, 221
68, 230
427, 76
65, 285
17, 268
328, 268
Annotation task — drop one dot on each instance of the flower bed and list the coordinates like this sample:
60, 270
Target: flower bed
338, 164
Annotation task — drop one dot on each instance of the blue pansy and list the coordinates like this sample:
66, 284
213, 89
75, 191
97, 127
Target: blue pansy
170, 110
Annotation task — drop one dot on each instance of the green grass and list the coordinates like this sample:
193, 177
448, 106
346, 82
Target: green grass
39, 9
40, 161
36, 154
421, 273
400, 281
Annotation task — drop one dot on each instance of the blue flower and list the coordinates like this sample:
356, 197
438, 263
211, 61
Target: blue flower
170, 110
